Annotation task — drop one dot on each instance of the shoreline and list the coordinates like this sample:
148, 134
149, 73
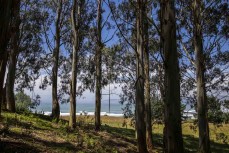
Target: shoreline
84, 113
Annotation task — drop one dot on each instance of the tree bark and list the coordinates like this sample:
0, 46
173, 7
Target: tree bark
55, 103
172, 82
99, 48
5, 17
3, 99
10, 100
14, 50
149, 138
204, 141
75, 28
140, 106
2, 88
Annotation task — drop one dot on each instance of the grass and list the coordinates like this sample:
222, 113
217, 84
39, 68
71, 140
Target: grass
38, 133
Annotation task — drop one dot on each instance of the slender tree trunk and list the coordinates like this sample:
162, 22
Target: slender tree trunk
140, 106
172, 82
3, 105
161, 87
55, 103
204, 141
99, 48
75, 24
5, 17
10, 100
14, 50
2, 88
149, 138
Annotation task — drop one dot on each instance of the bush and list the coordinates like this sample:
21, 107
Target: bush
226, 118
157, 110
23, 102
215, 114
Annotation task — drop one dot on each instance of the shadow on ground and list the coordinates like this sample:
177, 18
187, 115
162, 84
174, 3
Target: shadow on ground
109, 139
28, 143
191, 145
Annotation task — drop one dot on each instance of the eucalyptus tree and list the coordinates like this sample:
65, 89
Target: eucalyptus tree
6, 8
98, 56
31, 48
102, 22
215, 38
148, 117
25, 49
56, 51
88, 37
140, 82
126, 23
132, 31
203, 39
75, 15
81, 19
204, 141
14, 50
173, 131
56, 31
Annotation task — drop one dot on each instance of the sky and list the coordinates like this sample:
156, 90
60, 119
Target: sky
87, 97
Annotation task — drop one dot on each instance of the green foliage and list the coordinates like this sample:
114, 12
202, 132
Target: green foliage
23, 102
226, 117
39, 132
226, 113
215, 114
226, 104
157, 109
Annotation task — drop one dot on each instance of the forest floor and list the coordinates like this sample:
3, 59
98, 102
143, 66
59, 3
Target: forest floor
38, 133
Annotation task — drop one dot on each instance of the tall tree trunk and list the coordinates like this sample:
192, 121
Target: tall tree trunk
204, 142
140, 106
149, 138
14, 50
5, 17
10, 100
99, 48
75, 29
3, 103
161, 80
2, 88
172, 82
55, 103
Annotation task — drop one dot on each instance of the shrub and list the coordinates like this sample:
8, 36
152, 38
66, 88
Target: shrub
23, 102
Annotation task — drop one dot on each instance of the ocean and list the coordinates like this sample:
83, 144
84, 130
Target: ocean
88, 107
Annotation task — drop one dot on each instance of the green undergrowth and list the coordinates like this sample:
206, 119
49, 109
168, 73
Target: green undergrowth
38, 133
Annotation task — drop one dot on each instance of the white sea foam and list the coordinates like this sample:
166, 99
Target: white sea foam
87, 114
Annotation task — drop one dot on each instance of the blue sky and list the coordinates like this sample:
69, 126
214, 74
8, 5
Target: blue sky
87, 96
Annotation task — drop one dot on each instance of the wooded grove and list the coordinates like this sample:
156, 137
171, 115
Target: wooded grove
165, 56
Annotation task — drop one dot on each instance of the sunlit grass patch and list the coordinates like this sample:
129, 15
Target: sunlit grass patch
41, 134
